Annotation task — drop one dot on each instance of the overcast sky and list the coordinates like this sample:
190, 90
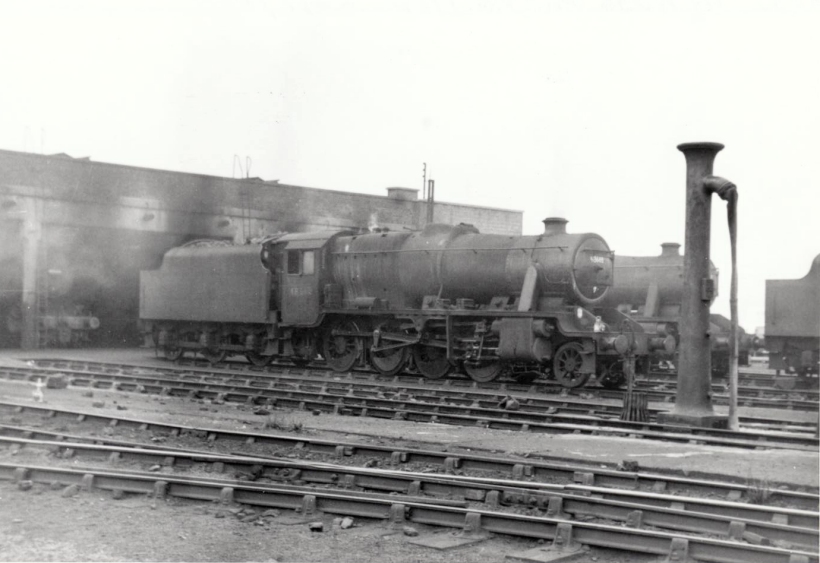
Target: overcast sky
566, 108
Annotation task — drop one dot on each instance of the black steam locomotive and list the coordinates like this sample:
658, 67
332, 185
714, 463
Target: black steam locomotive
650, 290
442, 298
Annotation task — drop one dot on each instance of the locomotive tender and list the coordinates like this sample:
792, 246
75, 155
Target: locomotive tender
443, 297
793, 322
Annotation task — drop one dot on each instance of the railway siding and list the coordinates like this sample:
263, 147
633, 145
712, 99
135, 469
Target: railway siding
467, 519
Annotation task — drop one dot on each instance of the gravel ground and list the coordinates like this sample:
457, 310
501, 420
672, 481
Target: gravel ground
41, 525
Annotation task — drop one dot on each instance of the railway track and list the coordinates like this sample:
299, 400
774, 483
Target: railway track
754, 380
342, 399
659, 386
644, 521
659, 390
532, 468
457, 391
473, 522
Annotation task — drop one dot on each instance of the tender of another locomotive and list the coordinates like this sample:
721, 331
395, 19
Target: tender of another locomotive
793, 322
443, 297
650, 290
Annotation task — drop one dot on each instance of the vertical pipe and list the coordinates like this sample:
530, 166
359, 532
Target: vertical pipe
694, 371
431, 199
693, 404
32, 232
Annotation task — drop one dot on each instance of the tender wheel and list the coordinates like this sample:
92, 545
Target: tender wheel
214, 356
483, 372
389, 363
612, 375
173, 349
431, 362
305, 348
341, 351
258, 359
173, 352
567, 364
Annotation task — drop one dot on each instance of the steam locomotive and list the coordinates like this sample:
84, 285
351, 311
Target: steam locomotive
650, 290
443, 298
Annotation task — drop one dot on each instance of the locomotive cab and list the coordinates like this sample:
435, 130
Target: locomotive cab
302, 271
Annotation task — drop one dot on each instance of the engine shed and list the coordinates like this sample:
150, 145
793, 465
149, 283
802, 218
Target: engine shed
75, 233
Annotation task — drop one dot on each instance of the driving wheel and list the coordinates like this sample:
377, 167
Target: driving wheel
484, 371
389, 363
431, 361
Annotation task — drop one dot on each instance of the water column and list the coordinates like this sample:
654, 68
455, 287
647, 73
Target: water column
693, 404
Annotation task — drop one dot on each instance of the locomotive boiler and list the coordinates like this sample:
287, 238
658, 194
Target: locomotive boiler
442, 298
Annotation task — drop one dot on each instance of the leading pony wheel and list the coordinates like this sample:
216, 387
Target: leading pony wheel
567, 364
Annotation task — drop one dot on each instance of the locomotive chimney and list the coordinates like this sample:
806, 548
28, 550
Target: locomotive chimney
670, 249
693, 403
555, 226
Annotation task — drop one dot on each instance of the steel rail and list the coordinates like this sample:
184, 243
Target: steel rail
422, 391
751, 379
750, 393
744, 393
794, 527
755, 397
797, 528
443, 413
235, 366
470, 520
536, 469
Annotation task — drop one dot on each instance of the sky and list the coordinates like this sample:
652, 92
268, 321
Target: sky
554, 108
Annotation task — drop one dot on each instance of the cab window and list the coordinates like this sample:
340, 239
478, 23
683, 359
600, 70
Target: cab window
301, 262
293, 262
307, 262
